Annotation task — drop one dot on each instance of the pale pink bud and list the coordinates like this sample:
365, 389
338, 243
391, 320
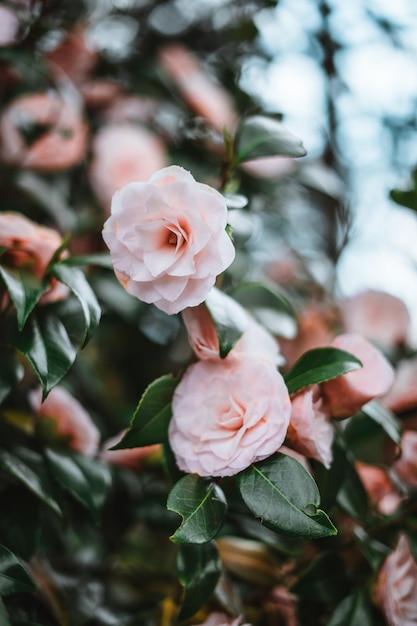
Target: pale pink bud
403, 394
404, 469
133, 458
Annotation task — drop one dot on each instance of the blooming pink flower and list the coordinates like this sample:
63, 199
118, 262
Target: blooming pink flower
396, 588
123, 153
346, 394
379, 316
203, 337
133, 458
167, 239
62, 142
70, 418
310, 431
379, 487
404, 469
403, 394
242, 417
199, 91
30, 247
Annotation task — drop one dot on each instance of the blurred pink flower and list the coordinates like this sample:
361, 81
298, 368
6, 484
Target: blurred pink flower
242, 417
269, 167
168, 240
396, 587
9, 26
133, 458
379, 487
61, 134
203, 338
404, 469
284, 606
123, 153
73, 58
70, 418
199, 90
403, 394
346, 394
310, 431
379, 316
221, 619
30, 247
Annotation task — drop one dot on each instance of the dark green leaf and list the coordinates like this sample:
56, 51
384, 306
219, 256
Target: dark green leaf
202, 506
407, 197
352, 496
285, 497
86, 479
389, 422
29, 468
230, 319
150, 422
45, 343
13, 576
271, 308
4, 618
367, 440
76, 281
329, 481
101, 259
261, 136
325, 579
11, 372
199, 568
373, 550
319, 365
25, 290
19, 531
352, 611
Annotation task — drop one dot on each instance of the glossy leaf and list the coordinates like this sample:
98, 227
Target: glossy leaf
389, 422
86, 479
260, 136
352, 611
44, 341
29, 468
367, 441
352, 496
230, 319
13, 576
325, 579
269, 307
25, 290
4, 618
199, 568
76, 281
201, 504
11, 372
284, 496
319, 365
373, 550
150, 421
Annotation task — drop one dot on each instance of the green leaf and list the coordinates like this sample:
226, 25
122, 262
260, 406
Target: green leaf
25, 290
329, 481
230, 319
76, 281
389, 422
285, 497
150, 421
353, 610
88, 480
367, 440
13, 576
325, 579
199, 568
101, 259
352, 496
319, 365
19, 531
29, 468
407, 197
261, 136
4, 617
269, 307
44, 341
373, 550
11, 372
201, 504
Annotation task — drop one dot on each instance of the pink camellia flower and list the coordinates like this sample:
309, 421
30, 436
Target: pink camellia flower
167, 239
310, 431
133, 458
379, 316
404, 469
221, 619
403, 394
30, 247
123, 153
379, 487
243, 415
346, 394
396, 587
43, 132
70, 418
200, 92
203, 337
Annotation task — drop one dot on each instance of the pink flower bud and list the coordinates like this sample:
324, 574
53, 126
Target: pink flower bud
404, 469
